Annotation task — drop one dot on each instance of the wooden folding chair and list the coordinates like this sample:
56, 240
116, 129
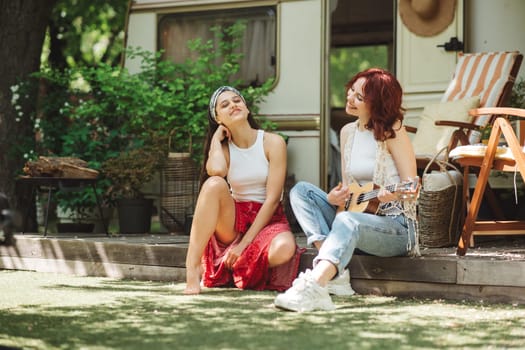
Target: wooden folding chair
489, 75
490, 157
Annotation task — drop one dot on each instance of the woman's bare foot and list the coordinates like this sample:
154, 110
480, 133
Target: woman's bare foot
193, 279
191, 290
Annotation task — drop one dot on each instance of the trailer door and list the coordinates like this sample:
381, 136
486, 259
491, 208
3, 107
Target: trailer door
424, 64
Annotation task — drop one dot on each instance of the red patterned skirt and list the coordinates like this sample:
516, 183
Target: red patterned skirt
251, 270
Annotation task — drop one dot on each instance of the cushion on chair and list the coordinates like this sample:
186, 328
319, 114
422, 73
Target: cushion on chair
430, 138
479, 150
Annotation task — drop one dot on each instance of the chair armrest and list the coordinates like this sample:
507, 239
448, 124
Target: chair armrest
517, 112
461, 125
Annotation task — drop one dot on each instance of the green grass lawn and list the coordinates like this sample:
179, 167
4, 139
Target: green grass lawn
51, 311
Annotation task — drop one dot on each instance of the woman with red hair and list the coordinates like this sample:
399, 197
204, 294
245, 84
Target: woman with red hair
375, 151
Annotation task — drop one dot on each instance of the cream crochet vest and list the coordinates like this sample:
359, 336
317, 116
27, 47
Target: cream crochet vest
385, 173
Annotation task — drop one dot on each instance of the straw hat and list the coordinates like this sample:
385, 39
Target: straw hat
427, 17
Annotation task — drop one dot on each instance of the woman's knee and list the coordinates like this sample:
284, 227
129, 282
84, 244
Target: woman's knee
346, 224
282, 249
346, 220
213, 185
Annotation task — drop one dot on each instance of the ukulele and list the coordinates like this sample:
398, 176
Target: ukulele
363, 199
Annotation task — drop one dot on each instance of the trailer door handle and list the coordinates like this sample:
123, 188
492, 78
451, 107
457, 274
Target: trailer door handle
453, 45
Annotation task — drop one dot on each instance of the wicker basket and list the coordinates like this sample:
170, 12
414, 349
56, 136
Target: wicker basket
179, 189
440, 205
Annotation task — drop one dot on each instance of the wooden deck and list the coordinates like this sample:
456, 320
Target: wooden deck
494, 271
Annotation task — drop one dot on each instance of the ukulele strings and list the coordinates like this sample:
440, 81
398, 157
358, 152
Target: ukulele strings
363, 197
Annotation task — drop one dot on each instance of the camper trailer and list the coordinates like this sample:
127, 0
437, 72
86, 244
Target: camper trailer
300, 42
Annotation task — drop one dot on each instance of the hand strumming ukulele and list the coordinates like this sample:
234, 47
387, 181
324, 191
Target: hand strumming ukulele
364, 198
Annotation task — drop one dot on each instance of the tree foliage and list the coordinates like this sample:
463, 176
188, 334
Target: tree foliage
85, 33
72, 33
105, 111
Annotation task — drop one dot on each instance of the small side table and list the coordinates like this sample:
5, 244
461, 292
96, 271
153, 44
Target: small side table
52, 184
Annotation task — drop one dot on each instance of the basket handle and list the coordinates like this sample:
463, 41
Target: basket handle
443, 164
443, 167
170, 135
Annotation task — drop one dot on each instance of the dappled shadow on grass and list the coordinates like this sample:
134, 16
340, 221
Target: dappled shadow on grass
138, 315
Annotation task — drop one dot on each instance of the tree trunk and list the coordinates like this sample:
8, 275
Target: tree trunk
22, 30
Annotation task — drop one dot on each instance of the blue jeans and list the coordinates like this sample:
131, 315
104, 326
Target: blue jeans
340, 234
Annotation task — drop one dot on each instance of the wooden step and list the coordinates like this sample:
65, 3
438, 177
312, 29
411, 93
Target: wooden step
491, 274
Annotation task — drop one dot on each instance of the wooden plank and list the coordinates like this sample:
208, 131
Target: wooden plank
103, 252
404, 269
96, 269
419, 269
492, 294
140, 258
491, 273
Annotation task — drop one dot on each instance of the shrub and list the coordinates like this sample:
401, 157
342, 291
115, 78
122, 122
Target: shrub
105, 112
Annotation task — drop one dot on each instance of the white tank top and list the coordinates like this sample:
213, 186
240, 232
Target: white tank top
248, 171
363, 157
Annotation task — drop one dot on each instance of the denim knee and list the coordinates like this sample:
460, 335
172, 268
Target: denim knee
299, 190
312, 210
339, 246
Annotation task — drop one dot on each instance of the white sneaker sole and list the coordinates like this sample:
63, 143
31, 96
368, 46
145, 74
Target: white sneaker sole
282, 304
341, 291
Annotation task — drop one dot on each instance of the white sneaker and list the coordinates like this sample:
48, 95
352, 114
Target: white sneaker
340, 285
305, 294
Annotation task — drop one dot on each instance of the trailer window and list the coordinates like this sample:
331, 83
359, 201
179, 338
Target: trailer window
258, 44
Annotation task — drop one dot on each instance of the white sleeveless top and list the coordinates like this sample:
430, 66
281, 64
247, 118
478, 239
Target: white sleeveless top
248, 171
385, 170
363, 157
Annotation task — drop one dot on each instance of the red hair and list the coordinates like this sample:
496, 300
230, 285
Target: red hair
383, 95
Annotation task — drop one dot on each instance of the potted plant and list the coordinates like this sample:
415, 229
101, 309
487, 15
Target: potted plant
127, 174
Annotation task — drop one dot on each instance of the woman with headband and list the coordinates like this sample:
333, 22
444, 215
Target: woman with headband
240, 235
